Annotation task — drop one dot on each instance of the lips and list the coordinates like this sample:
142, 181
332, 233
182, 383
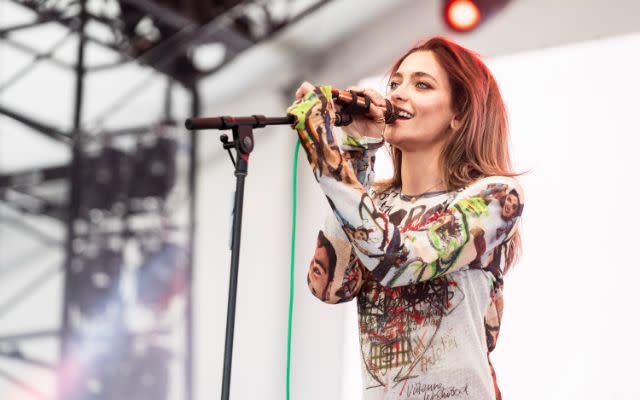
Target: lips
402, 113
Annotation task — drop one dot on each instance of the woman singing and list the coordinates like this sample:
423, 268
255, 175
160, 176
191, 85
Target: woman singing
424, 252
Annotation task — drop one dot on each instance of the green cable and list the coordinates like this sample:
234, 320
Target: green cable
293, 253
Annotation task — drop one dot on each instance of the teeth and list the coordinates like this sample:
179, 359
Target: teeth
404, 114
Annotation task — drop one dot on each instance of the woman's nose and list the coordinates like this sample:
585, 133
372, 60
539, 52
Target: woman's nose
398, 94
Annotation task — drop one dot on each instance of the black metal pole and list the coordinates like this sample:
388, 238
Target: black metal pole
243, 141
193, 163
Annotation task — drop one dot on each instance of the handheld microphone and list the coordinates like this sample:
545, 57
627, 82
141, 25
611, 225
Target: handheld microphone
357, 104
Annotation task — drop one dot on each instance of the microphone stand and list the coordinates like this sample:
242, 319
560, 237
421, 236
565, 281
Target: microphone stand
243, 143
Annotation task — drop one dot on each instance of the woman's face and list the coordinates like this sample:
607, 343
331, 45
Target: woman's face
421, 88
510, 207
318, 272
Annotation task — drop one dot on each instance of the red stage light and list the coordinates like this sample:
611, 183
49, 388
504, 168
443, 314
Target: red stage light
462, 15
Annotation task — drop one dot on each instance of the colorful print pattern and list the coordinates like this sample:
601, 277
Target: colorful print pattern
426, 274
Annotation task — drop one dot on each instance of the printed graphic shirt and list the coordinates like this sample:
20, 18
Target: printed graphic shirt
427, 272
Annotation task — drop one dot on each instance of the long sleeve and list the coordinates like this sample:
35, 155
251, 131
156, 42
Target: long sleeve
335, 272
481, 217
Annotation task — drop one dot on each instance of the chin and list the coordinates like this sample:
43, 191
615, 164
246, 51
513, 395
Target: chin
406, 141
402, 145
393, 137
403, 142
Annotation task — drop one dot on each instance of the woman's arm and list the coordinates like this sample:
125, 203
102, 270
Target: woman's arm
335, 272
480, 218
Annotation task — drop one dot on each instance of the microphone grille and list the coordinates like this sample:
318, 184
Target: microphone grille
390, 113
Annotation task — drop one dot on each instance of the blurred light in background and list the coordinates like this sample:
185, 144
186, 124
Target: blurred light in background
466, 15
162, 275
462, 15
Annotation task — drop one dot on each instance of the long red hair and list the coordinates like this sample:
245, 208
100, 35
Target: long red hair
480, 146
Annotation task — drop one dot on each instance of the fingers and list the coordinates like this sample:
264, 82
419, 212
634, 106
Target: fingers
304, 88
374, 95
378, 103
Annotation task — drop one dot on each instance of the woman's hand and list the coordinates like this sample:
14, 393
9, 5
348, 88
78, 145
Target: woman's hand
304, 88
371, 124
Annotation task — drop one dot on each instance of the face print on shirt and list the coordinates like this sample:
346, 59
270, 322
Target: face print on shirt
321, 277
322, 268
510, 205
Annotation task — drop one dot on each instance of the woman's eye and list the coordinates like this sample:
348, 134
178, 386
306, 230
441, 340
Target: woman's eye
423, 85
393, 85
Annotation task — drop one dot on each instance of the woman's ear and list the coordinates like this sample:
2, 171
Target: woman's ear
455, 124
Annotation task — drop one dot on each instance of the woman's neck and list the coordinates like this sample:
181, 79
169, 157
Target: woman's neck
420, 172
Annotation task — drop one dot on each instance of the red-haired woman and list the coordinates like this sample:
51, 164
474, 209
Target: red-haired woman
425, 251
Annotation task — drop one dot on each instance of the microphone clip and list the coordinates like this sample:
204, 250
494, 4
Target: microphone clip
357, 105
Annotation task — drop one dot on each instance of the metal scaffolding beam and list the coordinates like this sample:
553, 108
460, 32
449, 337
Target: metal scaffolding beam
40, 127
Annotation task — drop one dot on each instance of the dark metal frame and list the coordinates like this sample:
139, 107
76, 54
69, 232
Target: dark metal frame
68, 213
164, 56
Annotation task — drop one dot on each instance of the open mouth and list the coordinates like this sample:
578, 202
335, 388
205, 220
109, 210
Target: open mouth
404, 115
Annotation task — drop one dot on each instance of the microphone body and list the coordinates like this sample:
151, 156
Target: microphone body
358, 104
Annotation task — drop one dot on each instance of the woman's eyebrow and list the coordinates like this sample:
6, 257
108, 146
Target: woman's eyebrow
415, 74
